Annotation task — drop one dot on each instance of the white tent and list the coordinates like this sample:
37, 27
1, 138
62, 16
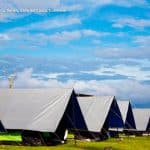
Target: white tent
50, 110
33, 109
100, 112
141, 116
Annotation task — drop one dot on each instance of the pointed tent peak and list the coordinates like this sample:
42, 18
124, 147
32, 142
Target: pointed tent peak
95, 110
125, 101
123, 106
141, 116
127, 114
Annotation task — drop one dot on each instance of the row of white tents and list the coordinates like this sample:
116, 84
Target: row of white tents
46, 115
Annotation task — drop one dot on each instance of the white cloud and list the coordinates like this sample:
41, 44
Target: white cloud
131, 22
30, 4
53, 75
74, 7
120, 2
5, 4
53, 5
67, 5
54, 23
138, 52
25, 79
38, 39
4, 37
64, 37
132, 72
88, 32
125, 89
6, 17
124, 3
142, 40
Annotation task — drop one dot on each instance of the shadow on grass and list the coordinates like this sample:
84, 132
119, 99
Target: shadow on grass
90, 146
13, 143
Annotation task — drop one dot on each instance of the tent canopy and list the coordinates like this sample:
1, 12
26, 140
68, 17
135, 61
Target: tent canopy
123, 106
141, 118
96, 110
33, 109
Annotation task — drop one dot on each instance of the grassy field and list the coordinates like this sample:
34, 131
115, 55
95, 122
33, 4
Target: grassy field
127, 143
10, 137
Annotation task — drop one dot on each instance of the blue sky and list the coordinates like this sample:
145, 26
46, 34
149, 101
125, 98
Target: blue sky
98, 47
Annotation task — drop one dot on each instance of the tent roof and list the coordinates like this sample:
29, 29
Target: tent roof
123, 106
33, 109
141, 117
95, 110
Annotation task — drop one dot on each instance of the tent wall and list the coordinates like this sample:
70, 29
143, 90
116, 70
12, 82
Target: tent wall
141, 116
72, 118
95, 110
2, 129
100, 113
130, 122
148, 126
74, 114
114, 119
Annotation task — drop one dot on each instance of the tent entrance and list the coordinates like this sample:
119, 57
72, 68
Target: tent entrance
39, 138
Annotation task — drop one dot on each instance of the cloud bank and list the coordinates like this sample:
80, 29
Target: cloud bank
122, 89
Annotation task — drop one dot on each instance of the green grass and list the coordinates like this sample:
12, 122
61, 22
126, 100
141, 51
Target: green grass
127, 143
10, 137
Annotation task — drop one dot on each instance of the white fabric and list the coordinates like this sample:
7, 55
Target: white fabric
95, 110
141, 117
116, 129
33, 109
123, 106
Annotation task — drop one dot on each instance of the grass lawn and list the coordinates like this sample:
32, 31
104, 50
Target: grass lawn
10, 137
127, 143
